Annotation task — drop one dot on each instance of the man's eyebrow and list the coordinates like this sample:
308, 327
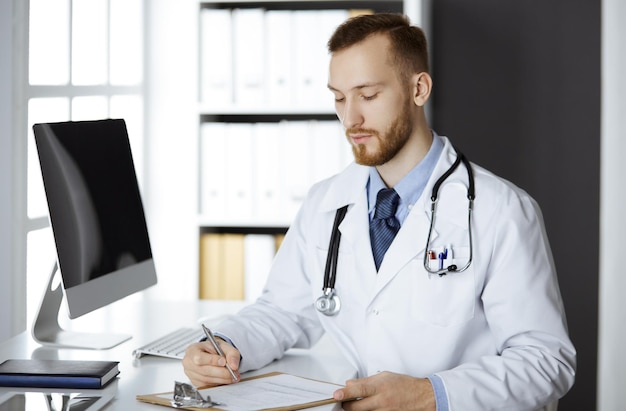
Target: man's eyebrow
357, 87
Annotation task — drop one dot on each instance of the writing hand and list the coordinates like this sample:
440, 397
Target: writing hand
204, 366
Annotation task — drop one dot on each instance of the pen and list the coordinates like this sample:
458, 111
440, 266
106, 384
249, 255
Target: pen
211, 338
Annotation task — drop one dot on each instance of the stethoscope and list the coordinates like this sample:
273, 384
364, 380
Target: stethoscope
330, 304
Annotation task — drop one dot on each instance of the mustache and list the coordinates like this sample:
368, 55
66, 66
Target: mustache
357, 130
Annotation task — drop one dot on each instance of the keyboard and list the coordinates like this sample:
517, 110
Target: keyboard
172, 345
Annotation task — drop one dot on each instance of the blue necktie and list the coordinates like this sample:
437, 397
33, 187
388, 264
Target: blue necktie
384, 226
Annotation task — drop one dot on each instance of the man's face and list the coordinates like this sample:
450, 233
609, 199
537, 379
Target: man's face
371, 102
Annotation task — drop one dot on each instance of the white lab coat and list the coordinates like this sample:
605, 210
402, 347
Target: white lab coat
496, 333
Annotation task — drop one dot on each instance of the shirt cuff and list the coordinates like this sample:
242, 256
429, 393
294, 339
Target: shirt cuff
225, 338
222, 336
228, 340
441, 396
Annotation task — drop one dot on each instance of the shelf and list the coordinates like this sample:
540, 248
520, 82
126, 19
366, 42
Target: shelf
378, 6
265, 118
237, 110
239, 228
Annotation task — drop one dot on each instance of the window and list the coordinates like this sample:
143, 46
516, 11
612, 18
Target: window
85, 62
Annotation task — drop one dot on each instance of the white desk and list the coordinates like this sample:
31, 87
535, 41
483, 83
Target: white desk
147, 375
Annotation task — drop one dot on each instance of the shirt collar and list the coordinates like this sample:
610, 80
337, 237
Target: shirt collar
412, 185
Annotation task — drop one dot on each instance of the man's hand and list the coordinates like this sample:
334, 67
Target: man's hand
205, 367
387, 391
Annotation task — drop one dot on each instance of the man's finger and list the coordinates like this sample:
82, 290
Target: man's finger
354, 389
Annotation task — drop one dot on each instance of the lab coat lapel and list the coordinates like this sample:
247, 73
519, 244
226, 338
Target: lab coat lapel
350, 188
409, 244
355, 235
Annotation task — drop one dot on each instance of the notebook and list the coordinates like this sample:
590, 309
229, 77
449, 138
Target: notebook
57, 373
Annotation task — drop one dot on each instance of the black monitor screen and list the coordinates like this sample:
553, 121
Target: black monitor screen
94, 202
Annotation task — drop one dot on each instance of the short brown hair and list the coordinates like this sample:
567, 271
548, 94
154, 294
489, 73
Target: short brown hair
408, 43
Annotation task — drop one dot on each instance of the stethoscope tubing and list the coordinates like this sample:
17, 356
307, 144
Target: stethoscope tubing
460, 158
330, 271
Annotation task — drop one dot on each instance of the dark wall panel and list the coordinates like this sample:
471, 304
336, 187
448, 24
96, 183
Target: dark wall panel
517, 88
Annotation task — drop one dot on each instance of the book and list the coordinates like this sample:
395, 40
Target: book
221, 266
57, 373
235, 266
216, 59
279, 70
296, 139
268, 174
306, 51
238, 171
248, 43
258, 257
213, 149
331, 152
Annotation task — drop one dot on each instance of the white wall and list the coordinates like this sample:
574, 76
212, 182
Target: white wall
612, 306
6, 169
171, 136
12, 284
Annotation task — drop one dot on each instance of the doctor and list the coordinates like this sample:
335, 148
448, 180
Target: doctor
490, 337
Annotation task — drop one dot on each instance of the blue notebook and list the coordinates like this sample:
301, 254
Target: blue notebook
57, 373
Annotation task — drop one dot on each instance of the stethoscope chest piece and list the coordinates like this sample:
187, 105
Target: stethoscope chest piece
329, 303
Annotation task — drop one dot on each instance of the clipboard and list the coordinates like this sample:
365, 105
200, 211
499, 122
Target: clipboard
165, 397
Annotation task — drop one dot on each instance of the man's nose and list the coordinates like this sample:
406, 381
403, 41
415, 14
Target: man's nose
351, 116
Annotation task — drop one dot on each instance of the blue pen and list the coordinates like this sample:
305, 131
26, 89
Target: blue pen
442, 256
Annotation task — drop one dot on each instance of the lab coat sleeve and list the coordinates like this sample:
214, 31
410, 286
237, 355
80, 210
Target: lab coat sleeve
535, 364
284, 316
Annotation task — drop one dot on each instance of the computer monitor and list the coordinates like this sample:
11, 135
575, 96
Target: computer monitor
98, 224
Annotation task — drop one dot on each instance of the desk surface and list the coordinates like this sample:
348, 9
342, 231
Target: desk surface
146, 321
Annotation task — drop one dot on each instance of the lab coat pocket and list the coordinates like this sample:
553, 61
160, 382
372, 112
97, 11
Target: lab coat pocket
445, 300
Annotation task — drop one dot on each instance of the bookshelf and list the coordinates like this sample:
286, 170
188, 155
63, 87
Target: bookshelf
267, 128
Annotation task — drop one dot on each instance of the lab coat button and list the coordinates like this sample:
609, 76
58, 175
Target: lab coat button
375, 311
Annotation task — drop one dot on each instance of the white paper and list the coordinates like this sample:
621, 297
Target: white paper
282, 390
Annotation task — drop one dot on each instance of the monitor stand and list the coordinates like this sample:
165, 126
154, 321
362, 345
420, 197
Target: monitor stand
47, 331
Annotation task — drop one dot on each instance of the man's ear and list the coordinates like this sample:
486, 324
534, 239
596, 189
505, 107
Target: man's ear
422, 86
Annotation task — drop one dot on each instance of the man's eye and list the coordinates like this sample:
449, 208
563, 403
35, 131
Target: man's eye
339, 99
372, 97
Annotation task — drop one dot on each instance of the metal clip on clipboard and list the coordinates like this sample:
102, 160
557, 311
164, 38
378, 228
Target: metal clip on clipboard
185, 395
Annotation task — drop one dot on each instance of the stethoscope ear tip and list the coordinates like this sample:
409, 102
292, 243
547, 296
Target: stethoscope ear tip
451, 269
